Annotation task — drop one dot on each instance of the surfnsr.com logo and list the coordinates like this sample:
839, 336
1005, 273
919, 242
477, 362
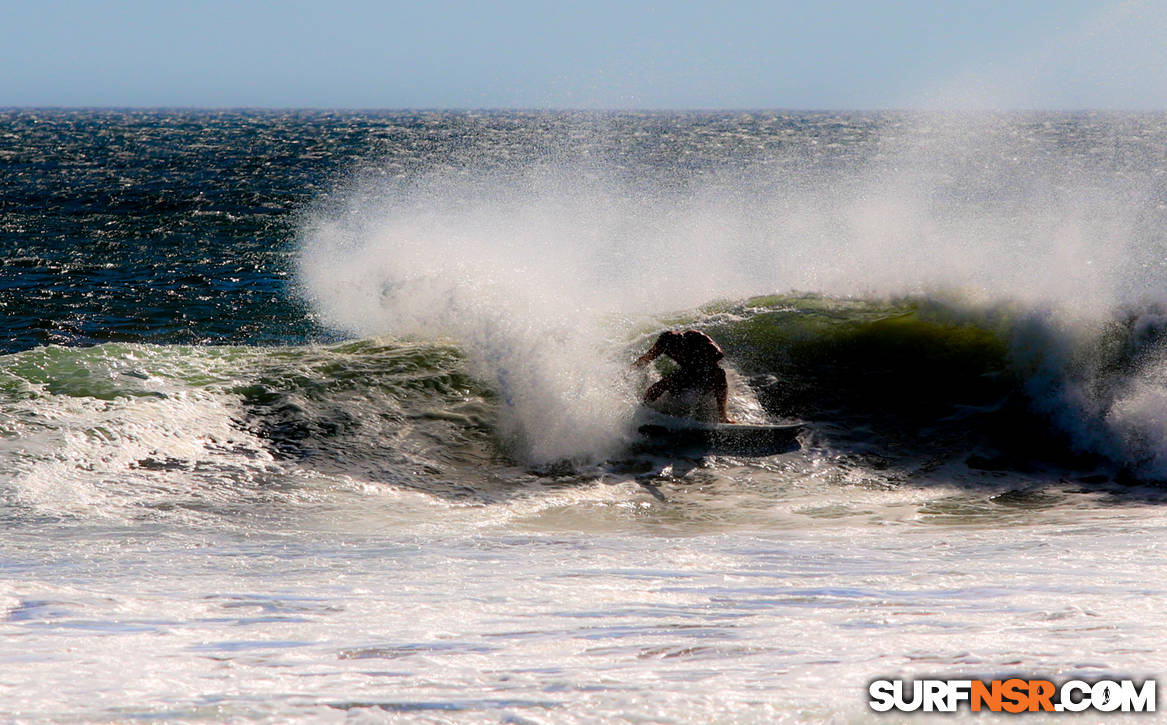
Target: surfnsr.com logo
1012, 695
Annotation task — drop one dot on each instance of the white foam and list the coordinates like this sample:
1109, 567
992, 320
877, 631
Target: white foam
80, 456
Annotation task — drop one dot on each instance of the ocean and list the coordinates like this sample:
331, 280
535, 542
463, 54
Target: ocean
328, 416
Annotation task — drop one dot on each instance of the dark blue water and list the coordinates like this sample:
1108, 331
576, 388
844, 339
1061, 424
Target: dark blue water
171, 227
179, 226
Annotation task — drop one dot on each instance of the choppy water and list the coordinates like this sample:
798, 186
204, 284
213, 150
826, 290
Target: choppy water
325, 416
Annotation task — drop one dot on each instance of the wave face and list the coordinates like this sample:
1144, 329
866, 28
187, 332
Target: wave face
132, 431
1002, 386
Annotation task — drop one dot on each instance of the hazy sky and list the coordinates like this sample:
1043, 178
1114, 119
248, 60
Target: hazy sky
814, 54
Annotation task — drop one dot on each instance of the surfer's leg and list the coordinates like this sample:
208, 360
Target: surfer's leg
659, 388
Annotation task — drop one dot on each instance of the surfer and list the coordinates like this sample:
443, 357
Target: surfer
699, 373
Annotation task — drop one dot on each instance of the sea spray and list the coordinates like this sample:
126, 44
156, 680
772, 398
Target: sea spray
529, 325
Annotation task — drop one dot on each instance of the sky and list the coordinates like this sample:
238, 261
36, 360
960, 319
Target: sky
614, 54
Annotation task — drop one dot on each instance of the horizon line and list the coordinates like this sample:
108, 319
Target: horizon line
581, 109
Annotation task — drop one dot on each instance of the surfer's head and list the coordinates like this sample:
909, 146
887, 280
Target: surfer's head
670, 342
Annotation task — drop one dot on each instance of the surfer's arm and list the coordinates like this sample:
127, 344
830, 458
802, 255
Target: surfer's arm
657, 389
721, 391
653, 353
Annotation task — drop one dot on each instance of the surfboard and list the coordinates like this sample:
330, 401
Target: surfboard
661, 431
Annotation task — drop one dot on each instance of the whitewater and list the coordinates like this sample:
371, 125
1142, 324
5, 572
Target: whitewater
316, 416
